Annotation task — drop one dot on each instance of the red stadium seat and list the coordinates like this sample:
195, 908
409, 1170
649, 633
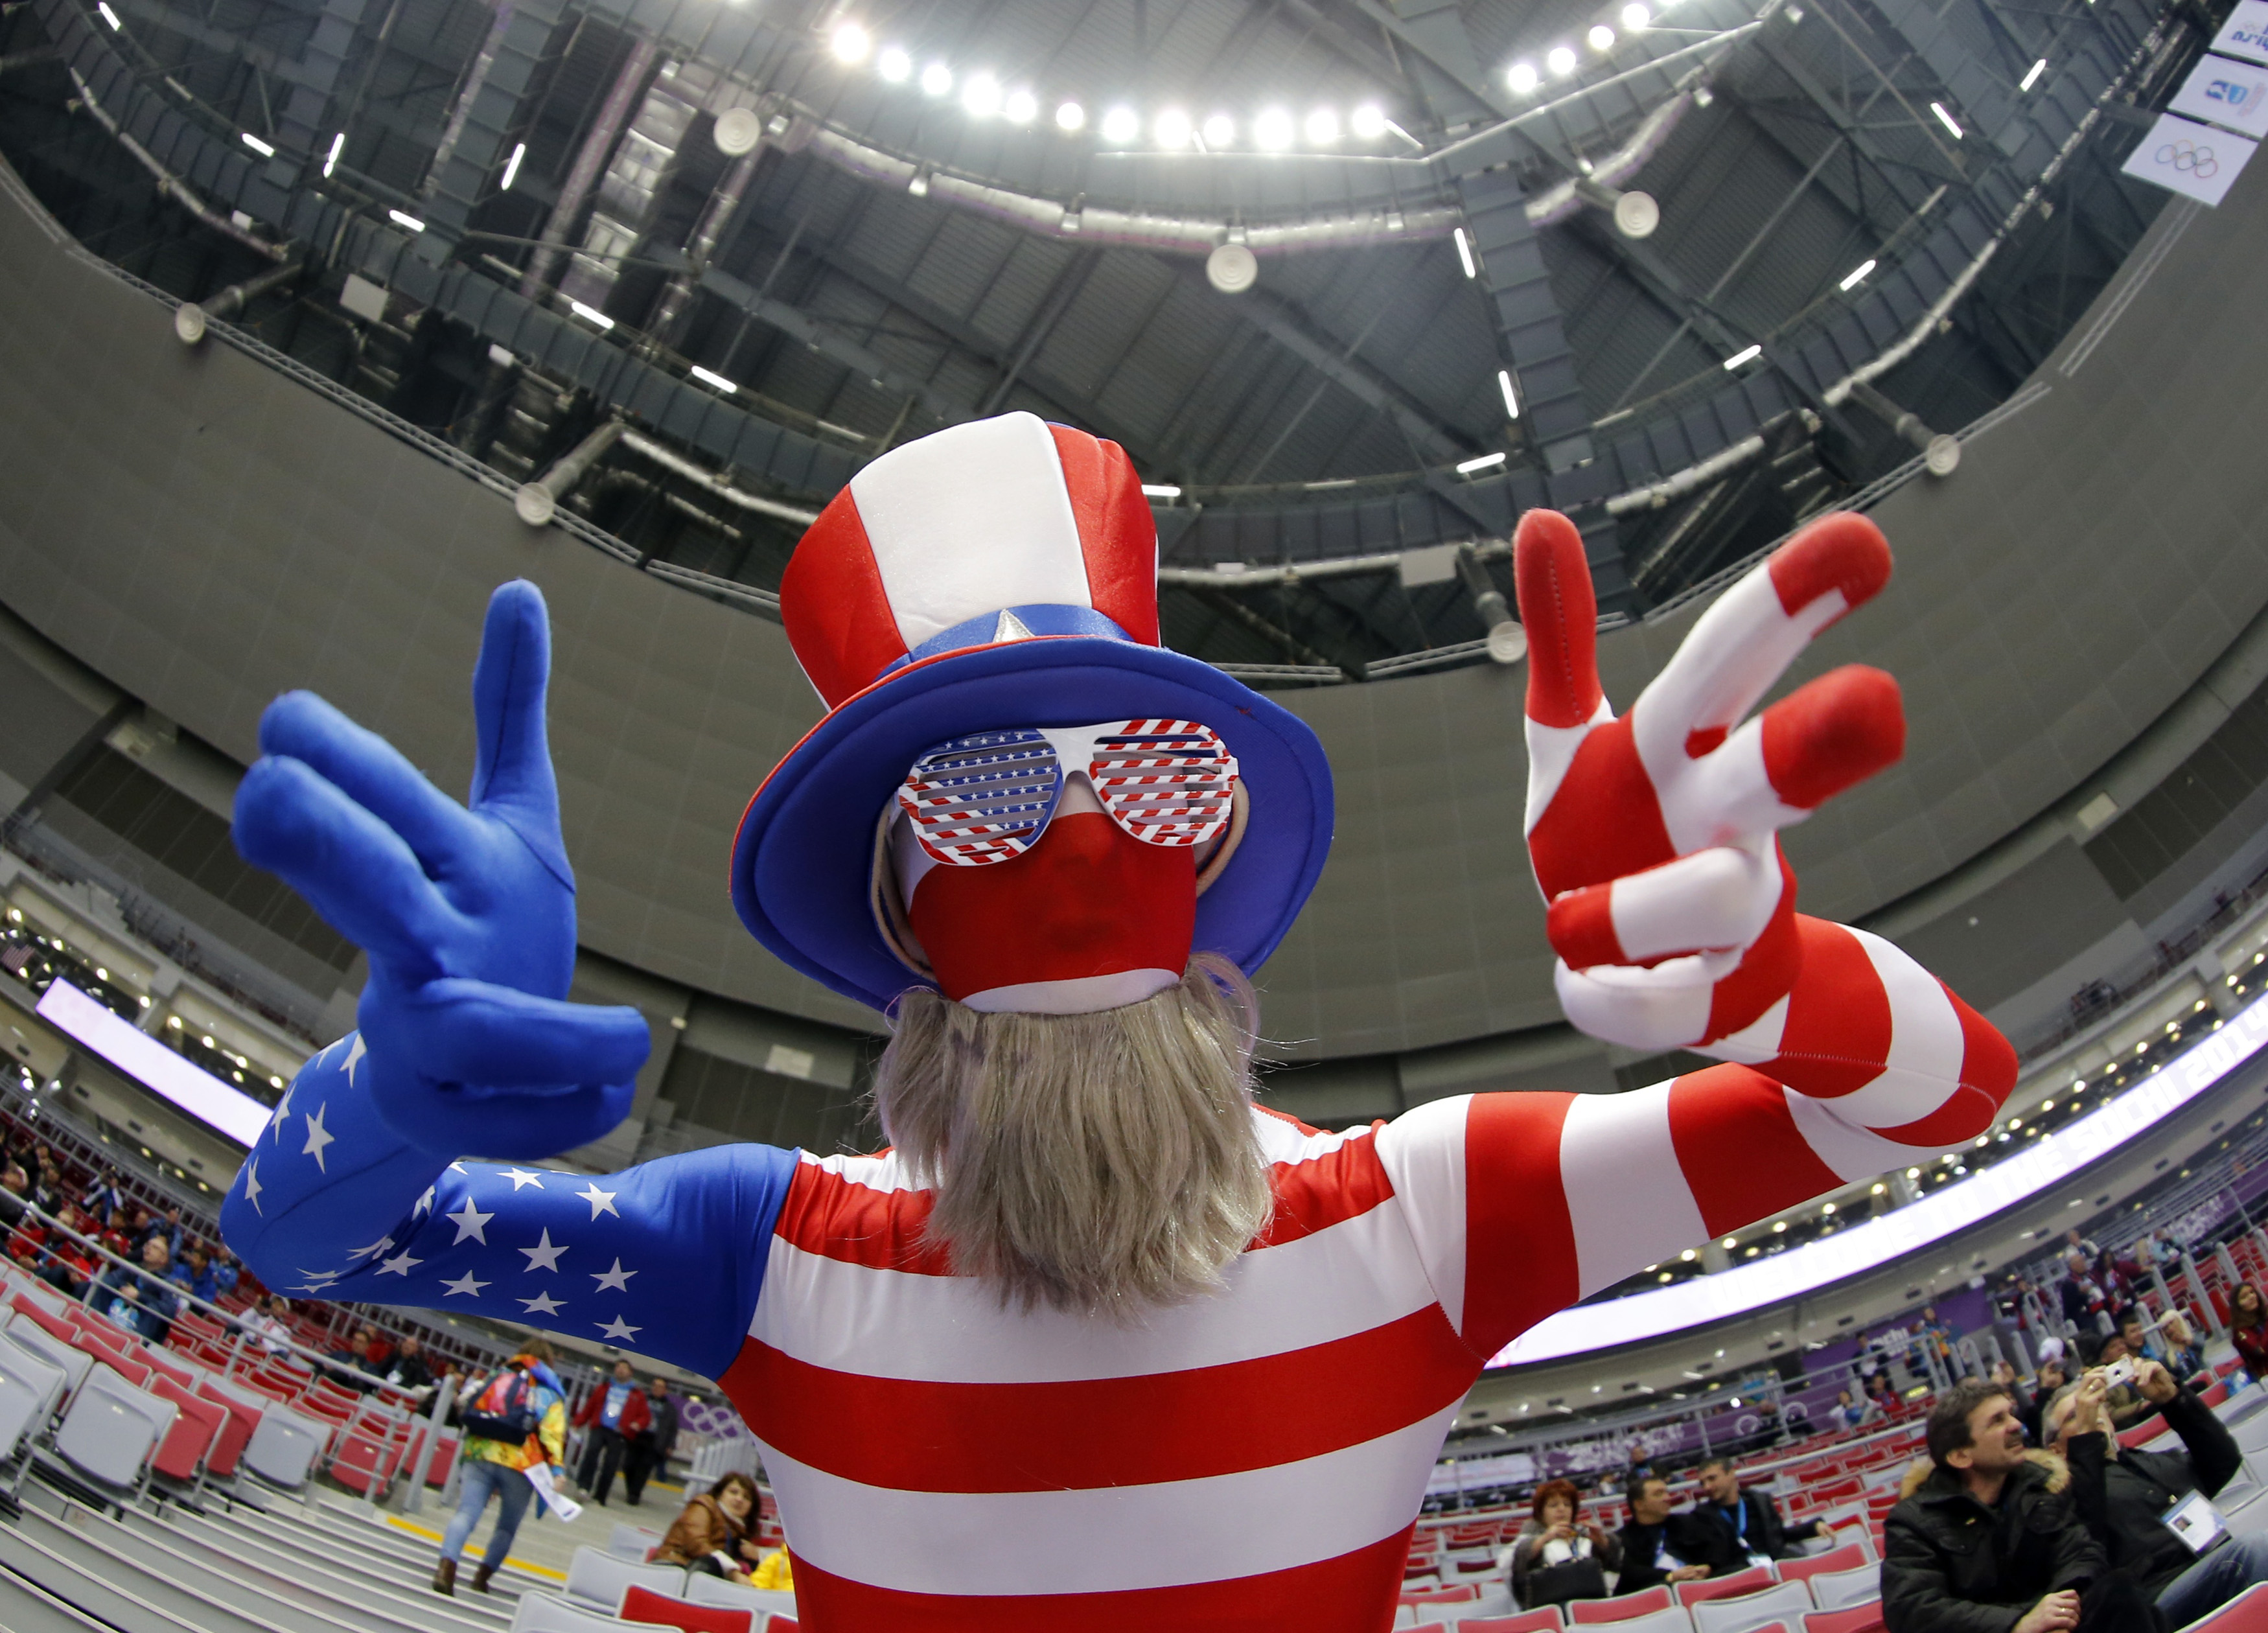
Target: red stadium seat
1747, 1581
1867, 1618
2247, 1613
2149, 1430
643, 1605
1850, 1556
1463, 1593
1583, 1611
198, 1427
1544, 1621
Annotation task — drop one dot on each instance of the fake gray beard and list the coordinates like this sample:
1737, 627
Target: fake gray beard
1099, 1164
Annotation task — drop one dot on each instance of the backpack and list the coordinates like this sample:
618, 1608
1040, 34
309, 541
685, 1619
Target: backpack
505, 1410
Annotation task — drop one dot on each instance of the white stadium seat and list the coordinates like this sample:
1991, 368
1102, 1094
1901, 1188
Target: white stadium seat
1837, 1590
595, 1577
1741, 1613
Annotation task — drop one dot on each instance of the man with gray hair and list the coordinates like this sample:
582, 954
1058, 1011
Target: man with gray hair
2152, 1510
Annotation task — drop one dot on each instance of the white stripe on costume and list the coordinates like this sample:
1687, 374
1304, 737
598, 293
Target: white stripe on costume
1854, 1152
854, 1318
943, 565
1927, 1045
1110, 1539
1626, 1192
1422, 1152
1550, 751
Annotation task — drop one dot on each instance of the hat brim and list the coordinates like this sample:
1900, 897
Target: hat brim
803, 859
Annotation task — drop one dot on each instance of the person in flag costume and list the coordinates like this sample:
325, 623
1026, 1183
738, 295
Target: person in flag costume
1098, 1342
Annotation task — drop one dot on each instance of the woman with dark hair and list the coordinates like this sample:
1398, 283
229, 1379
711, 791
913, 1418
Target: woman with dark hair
710, 1534
1558, 1558
2248, 1328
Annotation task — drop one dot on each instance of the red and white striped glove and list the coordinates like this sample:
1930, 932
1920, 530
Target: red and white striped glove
1653, 837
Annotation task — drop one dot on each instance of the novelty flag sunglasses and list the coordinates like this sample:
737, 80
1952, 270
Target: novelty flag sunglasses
989, 796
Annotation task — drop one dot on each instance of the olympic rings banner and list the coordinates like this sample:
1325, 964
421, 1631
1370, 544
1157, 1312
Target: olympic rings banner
2046, 1164
2190, 158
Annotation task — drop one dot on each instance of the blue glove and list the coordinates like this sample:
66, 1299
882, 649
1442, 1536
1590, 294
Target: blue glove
467, 914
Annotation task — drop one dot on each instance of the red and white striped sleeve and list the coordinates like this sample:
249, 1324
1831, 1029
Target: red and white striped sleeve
1524, 1203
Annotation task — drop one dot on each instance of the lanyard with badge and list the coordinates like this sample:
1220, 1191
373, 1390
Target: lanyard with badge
2196, 1521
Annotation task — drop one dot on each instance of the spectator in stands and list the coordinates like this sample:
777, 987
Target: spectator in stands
513, 1422
1937, 1336
103, 1197
406, 1366
2183, 1356
2052, 1377
48, 1189
611, 1414
142, 1301
270, 1324
2127, 1406
354, 1370
1659, 1546
2032, 1567
2248, 1328
1848, 1413
1558, 1556
710, 1535
776, 1572
1749, 1516
2082, 1300
14, 1192
2130, 1499
193, 1273
225, 1272
65, 1264
649, 1449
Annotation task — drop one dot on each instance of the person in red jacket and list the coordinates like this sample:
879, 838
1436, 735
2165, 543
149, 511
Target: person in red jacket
610, 1415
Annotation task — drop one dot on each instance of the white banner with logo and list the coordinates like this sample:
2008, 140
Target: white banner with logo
2190, 158
2224, 92
2245, 34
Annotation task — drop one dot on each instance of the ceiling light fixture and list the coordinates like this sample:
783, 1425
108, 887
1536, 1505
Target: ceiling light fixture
918, 184
1486, 461
1636, 17
511, 165
1511, 397
263, 149
710, 376
2032, 78
109, 16
590, 314
1521, 76
406, 221
1219, 132
1946, 119
1465, 253
937, 79
981, 96
1367, 122
1273, 130
1021, 107
1602, 37
1322, 127
1121, 125
895, 66
1071, 116
1746, 354
1172, 129
1160, 490
1560, 60
1859, 274
849, 43
339, 142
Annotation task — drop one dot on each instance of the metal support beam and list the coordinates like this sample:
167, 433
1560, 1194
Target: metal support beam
191, 316
537, 502
490, 116
1065, 289
1528, 324
589, 159
1941, 454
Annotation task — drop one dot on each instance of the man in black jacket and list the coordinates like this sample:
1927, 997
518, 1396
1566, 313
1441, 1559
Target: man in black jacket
1988, 1543
1757, 1531
1659, 1546
2132, 1500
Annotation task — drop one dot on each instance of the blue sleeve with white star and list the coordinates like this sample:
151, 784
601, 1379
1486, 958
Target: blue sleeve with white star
666, 1259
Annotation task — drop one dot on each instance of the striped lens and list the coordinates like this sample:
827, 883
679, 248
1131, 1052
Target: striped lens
987, 797
1165, 782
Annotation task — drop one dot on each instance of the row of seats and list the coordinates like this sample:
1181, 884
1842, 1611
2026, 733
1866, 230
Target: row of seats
607, 1592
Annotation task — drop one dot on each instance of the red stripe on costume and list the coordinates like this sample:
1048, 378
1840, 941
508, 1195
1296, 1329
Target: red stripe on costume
1988, 1071
834, 606
841, 1219
1742, 1154
1605, 822
1560, 611
1581, 926
1323, 1191
1831, 733
1091, 1433
1839, 1026
1520, 1252
1352, 1593
1116, 533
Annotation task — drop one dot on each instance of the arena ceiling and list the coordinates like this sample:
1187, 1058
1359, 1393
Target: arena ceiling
1866, 209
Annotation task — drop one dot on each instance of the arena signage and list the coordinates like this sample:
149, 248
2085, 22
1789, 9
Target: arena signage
2045, 1164
151, 1064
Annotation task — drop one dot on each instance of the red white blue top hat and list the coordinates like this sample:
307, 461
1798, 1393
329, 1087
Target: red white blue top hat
995, 575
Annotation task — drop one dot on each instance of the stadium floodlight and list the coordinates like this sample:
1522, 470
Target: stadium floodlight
1465, 253
2032, 78
405, 221
1467, 466
1602, 37
850, 42
1273, 130
1946, 119
1172, 129
981, 96
936, 79
1560, 60
895, 66
1121, 125
1522, 77
511, 165
1511, 397
1021, 108
1859, 274
1071, 116
1322, 127
1746, 354
265, 150
1636, 17
1219, 132
1367, 122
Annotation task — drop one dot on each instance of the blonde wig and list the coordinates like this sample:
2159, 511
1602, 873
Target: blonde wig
1103, 1163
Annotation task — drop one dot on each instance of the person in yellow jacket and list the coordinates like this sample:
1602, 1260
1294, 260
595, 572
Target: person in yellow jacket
514, 1420
776, 1570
